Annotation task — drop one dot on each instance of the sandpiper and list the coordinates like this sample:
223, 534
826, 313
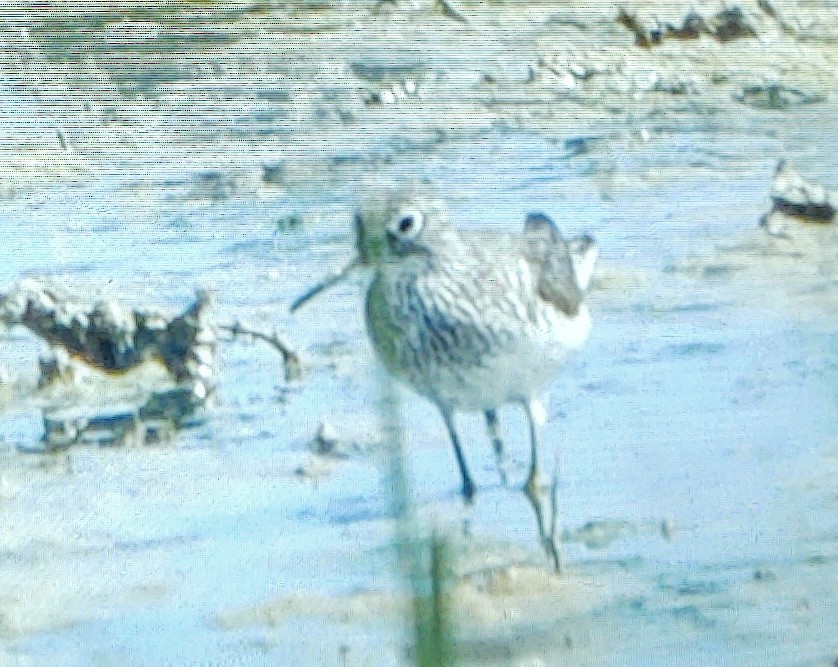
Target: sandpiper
471, 320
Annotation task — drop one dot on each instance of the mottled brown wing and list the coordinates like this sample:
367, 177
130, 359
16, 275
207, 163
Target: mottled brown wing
549, 255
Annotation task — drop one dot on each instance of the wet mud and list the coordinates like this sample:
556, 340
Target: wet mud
147, 154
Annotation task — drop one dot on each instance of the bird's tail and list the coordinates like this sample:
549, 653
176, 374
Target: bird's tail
583, 254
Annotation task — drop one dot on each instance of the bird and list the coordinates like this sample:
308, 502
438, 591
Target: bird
471, 320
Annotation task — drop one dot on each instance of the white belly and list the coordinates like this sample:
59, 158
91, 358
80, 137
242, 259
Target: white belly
512, 374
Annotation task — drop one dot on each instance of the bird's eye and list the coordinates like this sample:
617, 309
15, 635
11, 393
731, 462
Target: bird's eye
407, 224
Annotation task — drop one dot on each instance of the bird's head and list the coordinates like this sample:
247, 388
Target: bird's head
400, 224
394, 226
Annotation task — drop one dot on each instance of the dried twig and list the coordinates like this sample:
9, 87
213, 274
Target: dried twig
293, 365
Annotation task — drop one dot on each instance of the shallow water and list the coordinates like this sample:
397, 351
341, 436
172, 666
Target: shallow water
697, 402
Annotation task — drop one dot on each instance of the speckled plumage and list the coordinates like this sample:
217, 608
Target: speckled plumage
466, 326
462, 317
472, 320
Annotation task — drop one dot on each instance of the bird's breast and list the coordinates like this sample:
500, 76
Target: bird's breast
463, 345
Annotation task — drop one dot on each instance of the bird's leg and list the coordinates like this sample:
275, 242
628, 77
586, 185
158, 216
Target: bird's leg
537, 416
555, 526
497, 443
468, 485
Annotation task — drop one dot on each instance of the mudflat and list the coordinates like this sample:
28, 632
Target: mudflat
147, 152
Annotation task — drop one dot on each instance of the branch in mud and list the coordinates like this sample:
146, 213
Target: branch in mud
795, 197
445, 8
115, 339
293, 366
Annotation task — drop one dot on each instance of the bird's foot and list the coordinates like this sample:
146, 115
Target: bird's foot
537, 492
553, 552
535, 483
504, 476
469, 491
